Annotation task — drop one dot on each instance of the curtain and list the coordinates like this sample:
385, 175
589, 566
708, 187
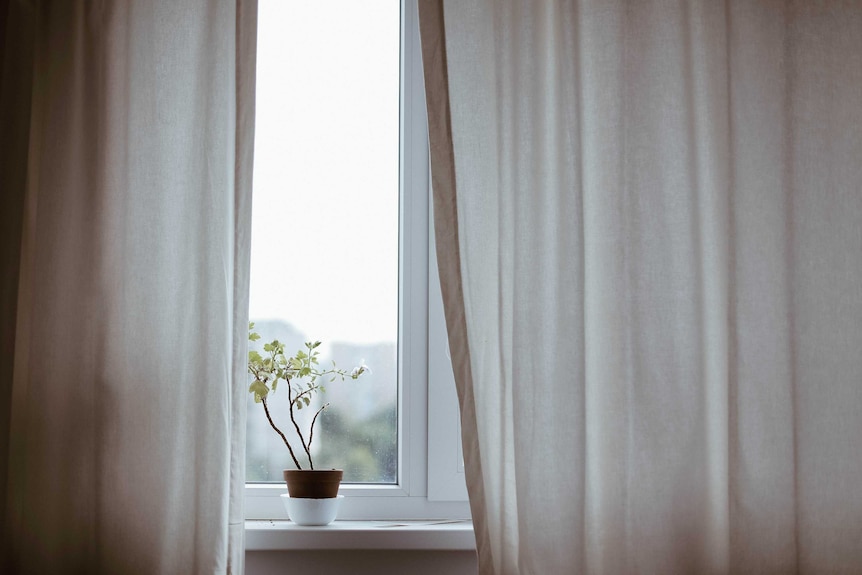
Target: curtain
126, 170
649, 231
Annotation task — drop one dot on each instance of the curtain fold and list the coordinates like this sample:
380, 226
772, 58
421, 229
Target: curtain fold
126, 396
648, 225
433, 38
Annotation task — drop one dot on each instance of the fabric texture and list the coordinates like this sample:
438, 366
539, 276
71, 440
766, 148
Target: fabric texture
649, 232
125, 309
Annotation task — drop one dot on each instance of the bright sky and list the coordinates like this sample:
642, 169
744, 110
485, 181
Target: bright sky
325, 219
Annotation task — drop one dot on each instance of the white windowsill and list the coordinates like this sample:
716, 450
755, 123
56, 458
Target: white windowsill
437, 535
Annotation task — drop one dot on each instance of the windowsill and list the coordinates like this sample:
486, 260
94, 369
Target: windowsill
438, 535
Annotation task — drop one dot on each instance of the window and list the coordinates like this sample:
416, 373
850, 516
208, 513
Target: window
399, 441
325, 238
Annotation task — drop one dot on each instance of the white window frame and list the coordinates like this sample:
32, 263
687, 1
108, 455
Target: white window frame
430, 471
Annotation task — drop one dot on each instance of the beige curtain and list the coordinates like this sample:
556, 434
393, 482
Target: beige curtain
126, 166
649, 229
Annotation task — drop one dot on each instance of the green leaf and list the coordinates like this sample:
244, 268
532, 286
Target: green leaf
298, 404
274, 384
316, 344
251, 325
259, 388
306, 400
304, 371
268, 347
254, 357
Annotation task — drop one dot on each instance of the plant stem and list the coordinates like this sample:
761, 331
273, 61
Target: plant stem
306, 392
289, 448
291, 400
313, 421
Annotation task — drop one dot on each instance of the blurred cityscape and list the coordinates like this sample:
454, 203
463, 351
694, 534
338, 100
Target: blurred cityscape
358, 432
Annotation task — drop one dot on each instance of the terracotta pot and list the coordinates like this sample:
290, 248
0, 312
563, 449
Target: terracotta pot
313, 484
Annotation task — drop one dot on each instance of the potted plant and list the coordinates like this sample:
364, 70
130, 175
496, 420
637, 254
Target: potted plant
309, 489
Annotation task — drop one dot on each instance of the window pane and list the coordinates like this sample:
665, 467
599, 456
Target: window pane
325, 225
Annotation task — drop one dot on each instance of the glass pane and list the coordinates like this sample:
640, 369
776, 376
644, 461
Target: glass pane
325, 226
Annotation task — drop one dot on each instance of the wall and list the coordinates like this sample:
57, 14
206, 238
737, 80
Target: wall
361, 562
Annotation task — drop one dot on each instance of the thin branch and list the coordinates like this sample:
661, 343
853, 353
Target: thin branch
289, 448
313, 421
306, 392
296, 425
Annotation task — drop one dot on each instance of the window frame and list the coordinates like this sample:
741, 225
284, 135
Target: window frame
430, 473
